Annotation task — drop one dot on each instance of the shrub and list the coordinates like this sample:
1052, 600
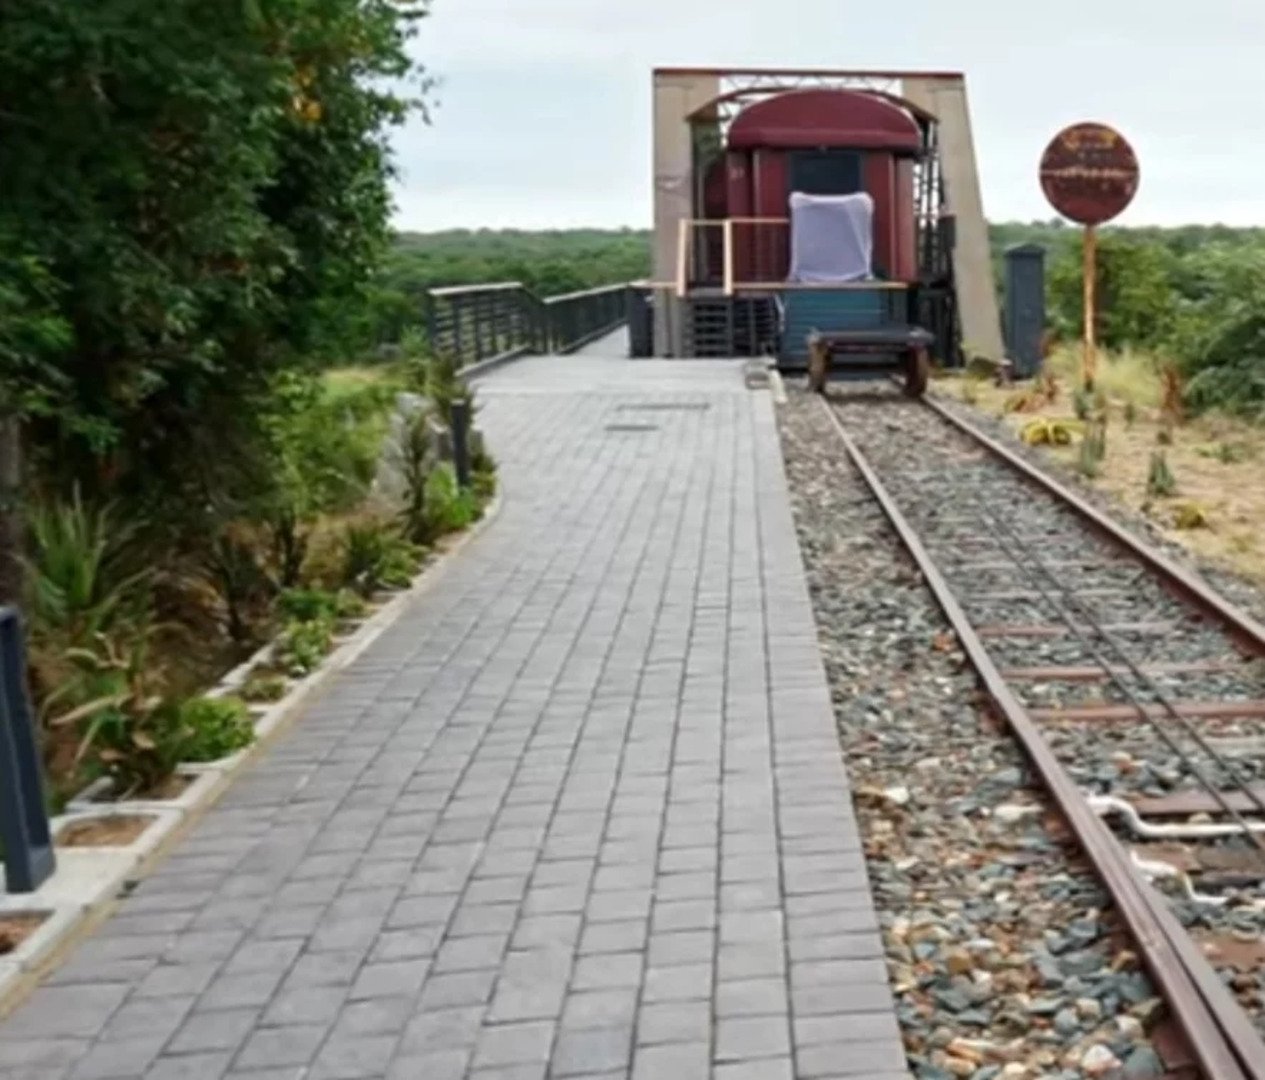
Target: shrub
375, 555
80, 581
1159, 480
449, 508
238, 572
213, 728
305, 643
265, 688
416, 460
1093, 449
303, 605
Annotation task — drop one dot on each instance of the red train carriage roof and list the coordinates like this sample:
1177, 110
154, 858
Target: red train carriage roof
832, 118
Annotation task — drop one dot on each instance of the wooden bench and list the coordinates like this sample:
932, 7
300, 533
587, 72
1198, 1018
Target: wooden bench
911, 343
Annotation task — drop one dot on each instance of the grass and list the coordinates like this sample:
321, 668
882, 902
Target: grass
1215, 460
348, 380
1126, 376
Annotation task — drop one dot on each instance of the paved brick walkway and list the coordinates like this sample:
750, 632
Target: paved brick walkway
580, 813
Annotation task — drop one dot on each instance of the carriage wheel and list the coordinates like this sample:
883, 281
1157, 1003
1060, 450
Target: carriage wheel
917, 373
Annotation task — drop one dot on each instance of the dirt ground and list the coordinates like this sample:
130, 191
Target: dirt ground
1216, 462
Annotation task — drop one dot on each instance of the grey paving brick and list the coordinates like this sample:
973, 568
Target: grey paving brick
681, 1061
228, 991
116, 1059
851, 1057
441, 1065
305, 1005
586, 791
190, 1067
683, 947
594, 1050
533, 1071
684, 982
766, 1069
389, 978
223, 1030
674, 1022
375, 1016
177, 979
353, 1057
743, 1038
600, 1008
442, 1029
460, 988
268, 1048
65, 1012
751, 997
513, 1044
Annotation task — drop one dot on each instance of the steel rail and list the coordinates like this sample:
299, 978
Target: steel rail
1221, 1037
1051, 595
1247, 631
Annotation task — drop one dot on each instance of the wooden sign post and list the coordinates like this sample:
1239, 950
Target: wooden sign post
1090, 175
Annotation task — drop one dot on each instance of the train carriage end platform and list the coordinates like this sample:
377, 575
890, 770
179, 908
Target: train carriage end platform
580, 812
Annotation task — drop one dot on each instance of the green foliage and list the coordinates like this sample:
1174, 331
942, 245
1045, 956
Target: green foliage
1160, 482
1188, 293
80, 572
120, 725
323, 440
237, 570
448, 507
265, 688
304, 644
1082, 403
308, 604
1130, 413
195, 198
1093, 448
416, 461
213, 728
376, 556
1225, 452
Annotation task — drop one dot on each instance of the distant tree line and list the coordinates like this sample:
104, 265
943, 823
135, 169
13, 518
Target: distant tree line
548, 262
1186, 294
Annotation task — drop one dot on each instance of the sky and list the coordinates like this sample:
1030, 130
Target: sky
542, 112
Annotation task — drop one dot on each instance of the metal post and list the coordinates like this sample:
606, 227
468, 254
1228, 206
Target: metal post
432, 323
28, 846
461, 442
1025, 307
1091, 274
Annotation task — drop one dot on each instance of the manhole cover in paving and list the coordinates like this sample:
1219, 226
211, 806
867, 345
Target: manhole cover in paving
632, 427
668, 406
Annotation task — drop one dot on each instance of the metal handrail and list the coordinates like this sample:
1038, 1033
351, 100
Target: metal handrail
480, 325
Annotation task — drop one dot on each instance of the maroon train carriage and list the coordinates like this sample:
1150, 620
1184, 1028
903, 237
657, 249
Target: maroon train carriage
832, 210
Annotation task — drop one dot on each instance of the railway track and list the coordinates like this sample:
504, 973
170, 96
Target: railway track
1137, 694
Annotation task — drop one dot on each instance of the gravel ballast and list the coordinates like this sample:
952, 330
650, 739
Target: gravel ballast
1003, 951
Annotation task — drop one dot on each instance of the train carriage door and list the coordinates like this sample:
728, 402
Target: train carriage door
826, 172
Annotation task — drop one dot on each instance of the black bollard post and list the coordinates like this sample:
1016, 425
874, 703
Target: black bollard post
28, 846
461, 442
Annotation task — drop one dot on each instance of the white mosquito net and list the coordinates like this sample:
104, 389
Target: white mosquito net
832, 238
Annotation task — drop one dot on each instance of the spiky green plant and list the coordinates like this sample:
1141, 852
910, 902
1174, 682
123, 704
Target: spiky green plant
1160, 481
1093, 449
82, 581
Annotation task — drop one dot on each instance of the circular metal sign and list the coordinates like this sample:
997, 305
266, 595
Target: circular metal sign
1089, 173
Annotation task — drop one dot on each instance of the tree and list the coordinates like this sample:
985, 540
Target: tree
1136, 301
204, 188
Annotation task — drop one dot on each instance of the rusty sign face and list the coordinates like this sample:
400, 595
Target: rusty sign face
1089, 173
